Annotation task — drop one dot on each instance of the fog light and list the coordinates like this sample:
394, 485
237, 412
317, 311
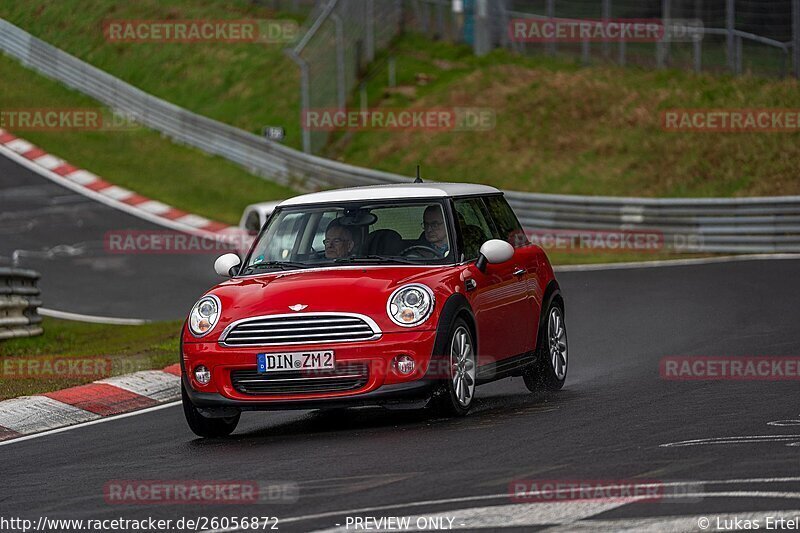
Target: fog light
404, 364
202, 375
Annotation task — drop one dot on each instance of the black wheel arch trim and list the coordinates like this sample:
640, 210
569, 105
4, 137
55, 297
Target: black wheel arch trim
455, 306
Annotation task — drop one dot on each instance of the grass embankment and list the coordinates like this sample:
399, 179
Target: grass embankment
128, 348
562, 128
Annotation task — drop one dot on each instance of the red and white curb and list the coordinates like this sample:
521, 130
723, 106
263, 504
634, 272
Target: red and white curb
28, 415
95, 187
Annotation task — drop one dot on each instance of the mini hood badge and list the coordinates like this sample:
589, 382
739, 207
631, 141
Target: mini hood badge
298, 307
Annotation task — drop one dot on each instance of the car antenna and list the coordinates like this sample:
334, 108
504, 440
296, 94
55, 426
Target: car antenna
419, 178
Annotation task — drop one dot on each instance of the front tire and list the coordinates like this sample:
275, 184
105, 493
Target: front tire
456, 393
549, 369
203, 426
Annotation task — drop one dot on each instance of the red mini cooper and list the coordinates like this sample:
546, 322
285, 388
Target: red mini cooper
396, 295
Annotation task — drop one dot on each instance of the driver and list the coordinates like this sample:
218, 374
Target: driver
338, 241
435, 236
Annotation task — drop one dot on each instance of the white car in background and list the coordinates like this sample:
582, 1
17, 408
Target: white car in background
253, 219
255, 216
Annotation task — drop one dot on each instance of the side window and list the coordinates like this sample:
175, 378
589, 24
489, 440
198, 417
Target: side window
508, 227
474, 227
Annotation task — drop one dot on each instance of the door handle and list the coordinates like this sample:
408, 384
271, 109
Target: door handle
519, 271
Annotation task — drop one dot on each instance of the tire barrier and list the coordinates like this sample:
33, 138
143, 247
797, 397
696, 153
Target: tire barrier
19, 303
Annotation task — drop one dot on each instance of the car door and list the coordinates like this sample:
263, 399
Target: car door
525, 261
499, 297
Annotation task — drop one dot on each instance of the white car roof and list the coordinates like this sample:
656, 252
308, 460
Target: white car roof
392, 192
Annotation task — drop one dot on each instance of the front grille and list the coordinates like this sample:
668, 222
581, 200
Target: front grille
346, 377
300, 329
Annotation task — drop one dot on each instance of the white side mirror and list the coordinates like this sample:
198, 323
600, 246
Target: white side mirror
225, 263
494, 252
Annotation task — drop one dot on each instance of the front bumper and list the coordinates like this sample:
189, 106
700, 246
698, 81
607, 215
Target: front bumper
384, 386
399, 394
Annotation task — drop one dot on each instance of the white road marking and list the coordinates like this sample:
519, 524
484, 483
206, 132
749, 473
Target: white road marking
32, 414
659, 524
94, 319
155, 384
90, 423
747, 439
505, 495
511, 515
674, 262
49, 161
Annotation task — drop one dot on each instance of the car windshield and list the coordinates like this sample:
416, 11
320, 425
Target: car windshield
391, 232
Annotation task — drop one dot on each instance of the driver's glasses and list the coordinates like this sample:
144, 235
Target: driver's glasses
334, 242
432, 225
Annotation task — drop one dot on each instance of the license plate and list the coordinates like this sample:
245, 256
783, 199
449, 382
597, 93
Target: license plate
283, 362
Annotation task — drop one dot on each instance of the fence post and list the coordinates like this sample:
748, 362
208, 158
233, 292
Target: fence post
697, 44
370, 33
738, 55
585, 58
730, 25
550, 47
481, 22
662, 48
392, 71
305, 98
341, 79
796, 37
606, 15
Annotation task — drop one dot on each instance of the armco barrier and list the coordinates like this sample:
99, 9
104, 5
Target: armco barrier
19, 302
739, 225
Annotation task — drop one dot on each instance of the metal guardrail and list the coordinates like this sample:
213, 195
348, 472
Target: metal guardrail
708, 225
19, 301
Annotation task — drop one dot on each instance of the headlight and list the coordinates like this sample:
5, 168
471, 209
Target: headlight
204, 315
410, 305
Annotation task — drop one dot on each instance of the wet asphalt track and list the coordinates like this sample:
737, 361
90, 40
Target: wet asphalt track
609, 423
61, 235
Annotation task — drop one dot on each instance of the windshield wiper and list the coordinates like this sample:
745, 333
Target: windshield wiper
283, 265
375, 259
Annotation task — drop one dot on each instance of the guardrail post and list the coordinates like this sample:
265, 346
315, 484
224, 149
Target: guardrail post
730, 26
796, 37
19, 303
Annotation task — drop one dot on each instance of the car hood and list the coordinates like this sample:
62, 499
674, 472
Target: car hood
362, 290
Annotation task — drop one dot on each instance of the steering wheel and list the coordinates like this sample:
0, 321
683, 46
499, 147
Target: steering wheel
417, 248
